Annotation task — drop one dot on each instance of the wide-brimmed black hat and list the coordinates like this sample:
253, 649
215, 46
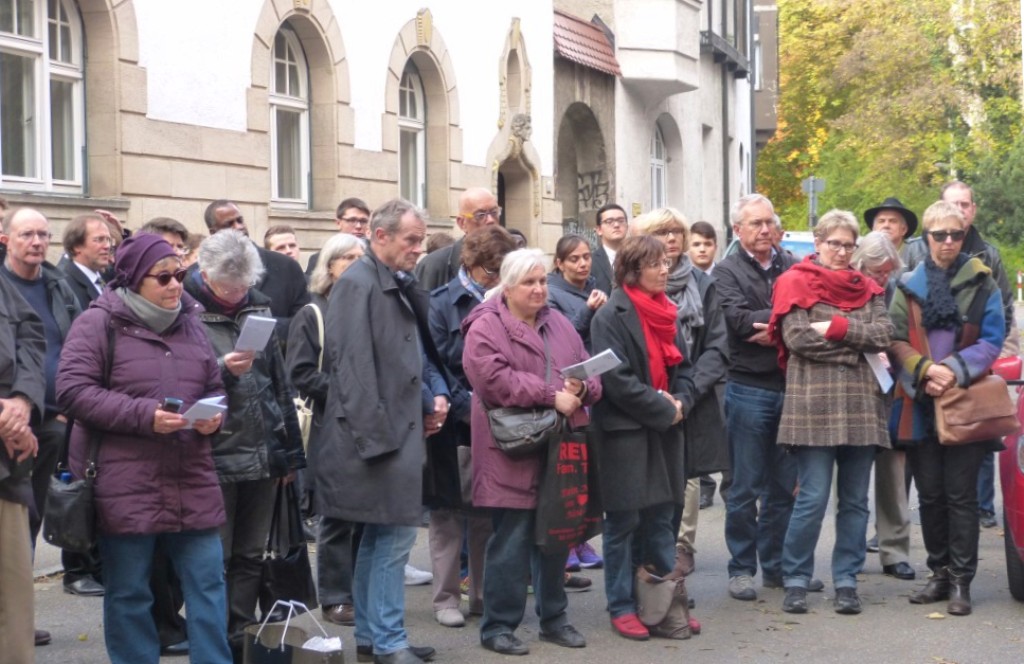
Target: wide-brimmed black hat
892, 203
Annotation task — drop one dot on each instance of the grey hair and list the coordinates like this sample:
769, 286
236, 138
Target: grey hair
336, 246
736, 215
229, 256
778, 221
389, 215
835, 220
516, 265
875, 250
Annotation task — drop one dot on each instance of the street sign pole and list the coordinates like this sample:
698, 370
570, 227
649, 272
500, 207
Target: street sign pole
812, 186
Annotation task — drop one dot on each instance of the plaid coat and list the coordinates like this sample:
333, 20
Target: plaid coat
832, 397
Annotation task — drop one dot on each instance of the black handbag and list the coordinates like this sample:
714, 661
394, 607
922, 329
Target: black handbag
70, 515
520, 432
286, 573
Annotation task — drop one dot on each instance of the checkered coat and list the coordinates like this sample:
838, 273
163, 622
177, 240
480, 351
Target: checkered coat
832, 396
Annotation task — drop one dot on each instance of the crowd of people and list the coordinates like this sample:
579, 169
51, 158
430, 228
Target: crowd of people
782, 374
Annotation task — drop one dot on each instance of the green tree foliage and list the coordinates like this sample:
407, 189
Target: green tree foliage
885, 98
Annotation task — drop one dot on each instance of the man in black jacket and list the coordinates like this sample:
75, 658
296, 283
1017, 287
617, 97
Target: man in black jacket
88, 246
283, 281
753, 403
612, 224
477, 208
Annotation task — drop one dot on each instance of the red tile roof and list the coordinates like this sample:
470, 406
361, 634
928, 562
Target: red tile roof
584, 43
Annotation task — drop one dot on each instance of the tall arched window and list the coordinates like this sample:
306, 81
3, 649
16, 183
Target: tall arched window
41, 97
659, 170
412, 143
289, 120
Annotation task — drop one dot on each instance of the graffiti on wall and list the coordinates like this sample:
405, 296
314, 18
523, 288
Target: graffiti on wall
592, 189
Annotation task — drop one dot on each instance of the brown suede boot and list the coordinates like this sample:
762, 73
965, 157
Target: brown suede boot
959, 595
937, 588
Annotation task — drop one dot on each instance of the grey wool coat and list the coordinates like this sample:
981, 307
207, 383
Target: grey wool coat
832, 396
368, 454
641, 457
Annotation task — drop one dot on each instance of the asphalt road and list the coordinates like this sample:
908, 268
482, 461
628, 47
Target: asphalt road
890, 629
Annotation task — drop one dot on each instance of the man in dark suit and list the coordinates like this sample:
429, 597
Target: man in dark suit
612, 224
88, 245
283, 281
477, 208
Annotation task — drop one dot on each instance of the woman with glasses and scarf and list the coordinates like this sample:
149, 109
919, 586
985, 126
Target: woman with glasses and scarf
260, 444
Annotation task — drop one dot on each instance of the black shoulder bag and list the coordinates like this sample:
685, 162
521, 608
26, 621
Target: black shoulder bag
519, 432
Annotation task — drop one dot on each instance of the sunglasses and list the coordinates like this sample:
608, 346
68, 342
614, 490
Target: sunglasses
942, 236
164, 278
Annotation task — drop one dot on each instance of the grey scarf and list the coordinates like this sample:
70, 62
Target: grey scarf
156, 318
682, 289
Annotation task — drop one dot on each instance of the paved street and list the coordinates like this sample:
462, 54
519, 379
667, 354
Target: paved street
890, 629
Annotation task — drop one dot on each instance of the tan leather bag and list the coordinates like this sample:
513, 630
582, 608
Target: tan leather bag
663, 605
983, 411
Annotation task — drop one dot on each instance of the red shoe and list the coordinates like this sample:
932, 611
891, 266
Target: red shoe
630, 627
694, 626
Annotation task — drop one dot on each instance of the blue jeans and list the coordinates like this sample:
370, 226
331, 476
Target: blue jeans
760, 470
814, 471
512, 559
379, 586
653, 526
128, 625
987, 484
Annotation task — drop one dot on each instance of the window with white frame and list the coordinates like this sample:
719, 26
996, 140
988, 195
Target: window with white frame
659, 170
42, 117
289, 121
412, 137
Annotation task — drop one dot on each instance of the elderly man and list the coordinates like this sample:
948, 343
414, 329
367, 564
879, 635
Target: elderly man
282, 281
753, 403
477, 208
962, 196
369, 454
353, 217
22, 390
895, 220
612, 224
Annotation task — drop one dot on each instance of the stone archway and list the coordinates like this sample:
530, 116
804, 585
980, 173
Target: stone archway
582, 182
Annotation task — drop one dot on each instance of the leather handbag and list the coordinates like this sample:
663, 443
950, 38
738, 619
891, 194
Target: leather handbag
520, 432
982, 411
286, 573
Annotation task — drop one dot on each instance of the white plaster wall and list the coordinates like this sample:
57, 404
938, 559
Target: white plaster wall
198, 70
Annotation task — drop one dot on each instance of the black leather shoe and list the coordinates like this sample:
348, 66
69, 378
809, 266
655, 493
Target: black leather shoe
566, 636
847, 602
425, 653
340, 614
795, 600
42, 637
505, 644
403, 656
987, 520
937, 589
175, 649
900, 570
872, 545
85, 586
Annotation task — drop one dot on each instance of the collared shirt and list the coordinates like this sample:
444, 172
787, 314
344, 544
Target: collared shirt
93, 277
611, 254
764, 266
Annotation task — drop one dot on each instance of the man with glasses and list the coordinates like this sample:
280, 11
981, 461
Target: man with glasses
612, 224
282, 281
43, 286
90, 253
477, 208
962, 196
761, 470
353, 217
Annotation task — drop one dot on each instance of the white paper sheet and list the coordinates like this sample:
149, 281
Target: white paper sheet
881, 371
255, 333
204, 409
604, 361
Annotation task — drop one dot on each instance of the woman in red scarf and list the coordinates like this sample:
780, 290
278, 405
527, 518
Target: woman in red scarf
828, 320
637, 429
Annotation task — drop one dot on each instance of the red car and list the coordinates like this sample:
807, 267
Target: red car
1011, 475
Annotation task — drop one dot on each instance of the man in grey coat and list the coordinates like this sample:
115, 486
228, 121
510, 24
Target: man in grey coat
368, 456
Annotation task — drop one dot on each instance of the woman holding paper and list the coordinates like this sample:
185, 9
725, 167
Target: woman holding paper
825, 318
638, 431
141, 342
260, 443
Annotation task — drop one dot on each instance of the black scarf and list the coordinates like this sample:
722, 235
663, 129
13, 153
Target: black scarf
939, 310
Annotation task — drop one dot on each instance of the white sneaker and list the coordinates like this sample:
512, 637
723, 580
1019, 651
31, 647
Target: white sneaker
417, 577
450, 617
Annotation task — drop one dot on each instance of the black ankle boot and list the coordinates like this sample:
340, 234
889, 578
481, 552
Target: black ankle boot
935, 590
959, 595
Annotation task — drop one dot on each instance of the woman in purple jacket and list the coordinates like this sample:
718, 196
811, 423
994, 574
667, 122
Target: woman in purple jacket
507, 339
155, 478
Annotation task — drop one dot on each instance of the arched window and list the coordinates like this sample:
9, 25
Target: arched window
412, 125
289, 120
41, 98
659, 170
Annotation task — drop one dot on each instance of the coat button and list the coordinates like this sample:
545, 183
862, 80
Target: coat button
168, 353
412, 426
842, 368
408, 337
415, 379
